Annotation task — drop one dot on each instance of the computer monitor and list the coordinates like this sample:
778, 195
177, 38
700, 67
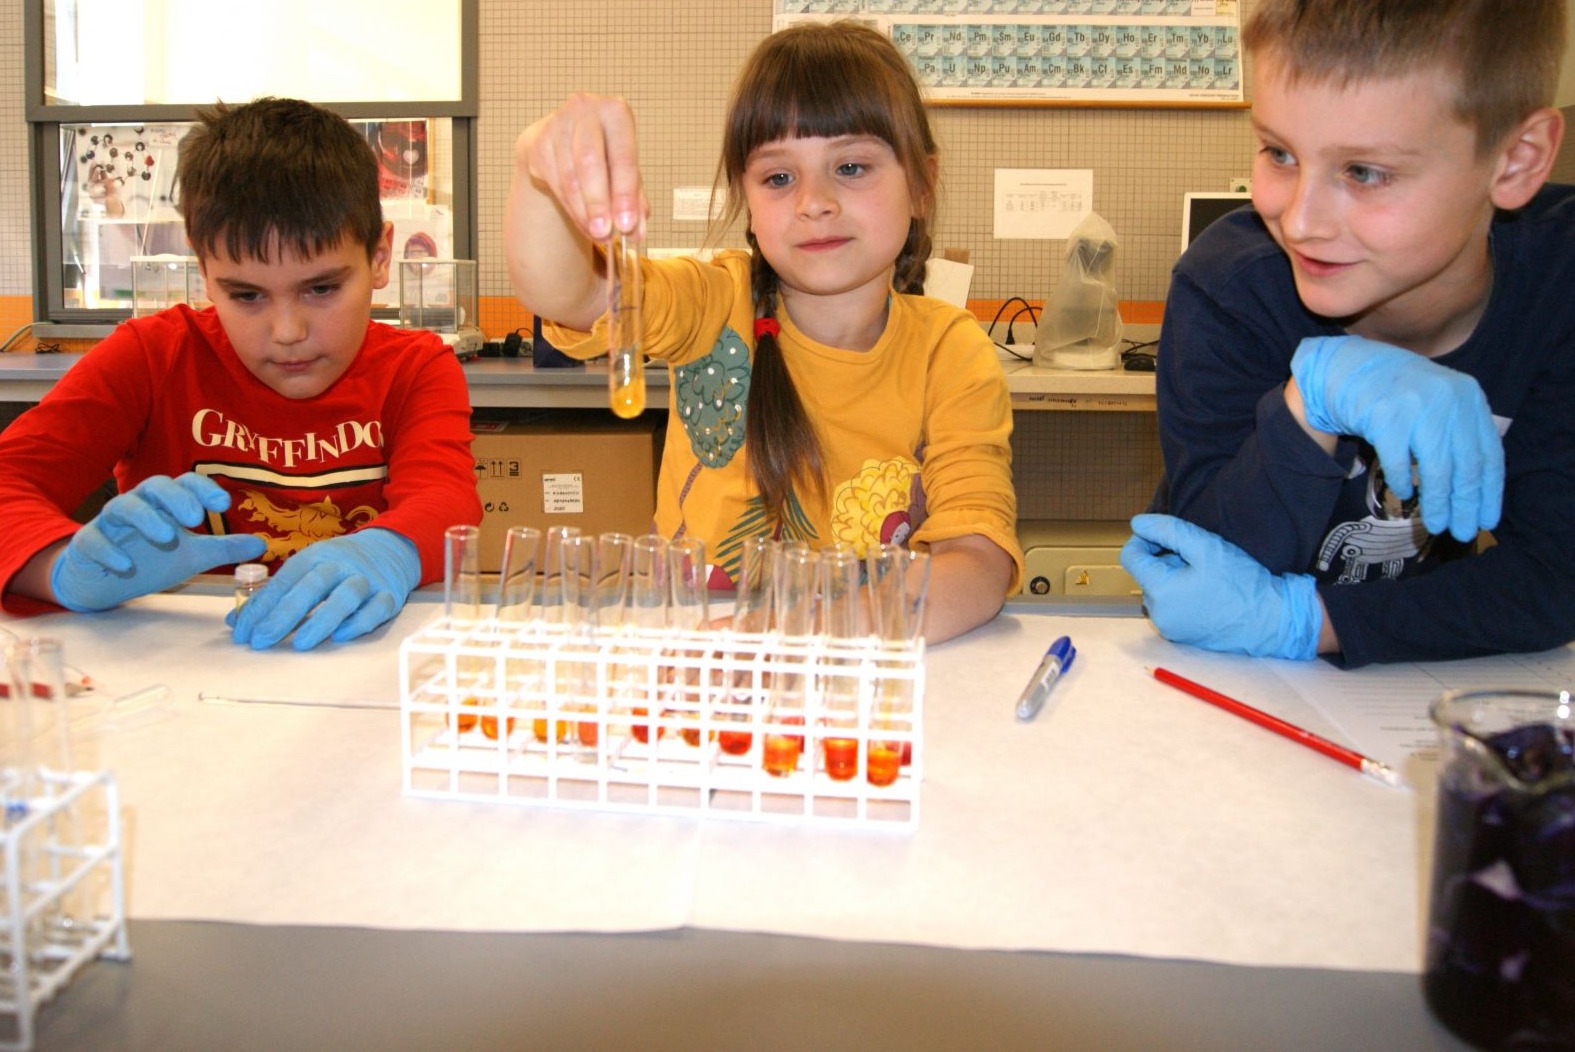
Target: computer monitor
1198, 210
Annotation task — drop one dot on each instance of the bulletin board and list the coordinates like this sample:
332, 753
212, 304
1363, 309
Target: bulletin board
1153, 53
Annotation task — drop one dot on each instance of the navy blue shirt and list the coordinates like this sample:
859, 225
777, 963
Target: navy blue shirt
1238, 463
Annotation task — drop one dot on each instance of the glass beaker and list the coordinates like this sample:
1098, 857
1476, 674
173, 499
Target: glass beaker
1500, 969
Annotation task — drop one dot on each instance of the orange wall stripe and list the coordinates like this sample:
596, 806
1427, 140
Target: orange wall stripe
501, 315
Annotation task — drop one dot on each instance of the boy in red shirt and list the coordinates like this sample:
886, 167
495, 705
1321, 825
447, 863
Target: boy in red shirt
280, 425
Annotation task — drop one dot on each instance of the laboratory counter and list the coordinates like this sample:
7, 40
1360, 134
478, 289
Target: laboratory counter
1134, 869
495, 383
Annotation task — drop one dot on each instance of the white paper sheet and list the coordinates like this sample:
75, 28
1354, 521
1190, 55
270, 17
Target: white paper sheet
1383, 711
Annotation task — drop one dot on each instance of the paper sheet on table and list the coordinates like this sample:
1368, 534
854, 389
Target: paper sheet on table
1128, 818
1383, 710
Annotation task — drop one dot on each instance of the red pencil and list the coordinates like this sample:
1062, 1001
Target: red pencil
1368, 766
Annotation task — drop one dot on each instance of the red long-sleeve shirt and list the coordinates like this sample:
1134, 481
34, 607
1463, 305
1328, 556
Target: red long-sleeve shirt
164, 395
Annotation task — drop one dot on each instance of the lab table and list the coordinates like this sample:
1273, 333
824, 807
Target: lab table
1132, 870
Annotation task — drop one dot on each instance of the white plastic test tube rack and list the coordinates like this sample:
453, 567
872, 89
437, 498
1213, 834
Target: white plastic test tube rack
62, 853
637, 720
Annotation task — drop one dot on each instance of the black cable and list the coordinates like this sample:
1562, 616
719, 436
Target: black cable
990, 329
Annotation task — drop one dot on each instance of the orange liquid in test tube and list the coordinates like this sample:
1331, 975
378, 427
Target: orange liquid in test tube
489, 726
734, 743
642, 731
842, 758
539, 729
780, 754
885, 759
625, 364
464, 721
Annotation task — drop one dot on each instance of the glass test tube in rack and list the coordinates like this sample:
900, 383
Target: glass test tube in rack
725, 723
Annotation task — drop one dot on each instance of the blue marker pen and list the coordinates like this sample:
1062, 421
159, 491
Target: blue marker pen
1056, 661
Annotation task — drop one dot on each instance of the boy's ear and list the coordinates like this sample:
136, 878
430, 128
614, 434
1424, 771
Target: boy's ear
1526, 158
383, 256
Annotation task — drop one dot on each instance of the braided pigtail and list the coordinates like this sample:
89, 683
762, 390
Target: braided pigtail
913, 260
781, 440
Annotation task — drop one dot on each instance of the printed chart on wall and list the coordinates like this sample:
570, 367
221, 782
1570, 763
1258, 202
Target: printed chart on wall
1056, 52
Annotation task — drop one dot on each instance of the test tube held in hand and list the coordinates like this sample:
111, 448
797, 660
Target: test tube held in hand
625, 367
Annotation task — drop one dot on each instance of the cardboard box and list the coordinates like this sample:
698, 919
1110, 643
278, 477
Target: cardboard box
565, 468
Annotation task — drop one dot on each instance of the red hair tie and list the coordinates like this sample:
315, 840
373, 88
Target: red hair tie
763, 326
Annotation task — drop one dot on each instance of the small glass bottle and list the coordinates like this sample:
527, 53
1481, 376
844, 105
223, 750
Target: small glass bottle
248, 578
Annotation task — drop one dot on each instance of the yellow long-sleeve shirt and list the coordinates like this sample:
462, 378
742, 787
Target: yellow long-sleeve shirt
914, 432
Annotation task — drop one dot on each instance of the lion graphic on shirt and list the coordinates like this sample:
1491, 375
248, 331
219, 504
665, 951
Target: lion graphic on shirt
289, 529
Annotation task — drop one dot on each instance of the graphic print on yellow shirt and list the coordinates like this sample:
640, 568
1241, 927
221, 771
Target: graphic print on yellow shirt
877, 506
712, 395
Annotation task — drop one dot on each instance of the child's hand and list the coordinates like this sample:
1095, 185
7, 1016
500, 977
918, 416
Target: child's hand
141, 543
341, 588
1408, 406
1201, 590
585, 154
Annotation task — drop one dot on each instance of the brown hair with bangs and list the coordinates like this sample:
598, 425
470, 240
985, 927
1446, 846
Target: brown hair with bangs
276, 173
817, 80
1505, 54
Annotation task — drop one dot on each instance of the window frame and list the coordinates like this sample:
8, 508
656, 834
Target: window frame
51, 317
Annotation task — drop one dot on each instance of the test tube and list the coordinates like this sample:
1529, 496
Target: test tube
795, 580
752, 596
550, 588
650, 592
795, 571
461, 574
688, 574
41, 674
517, 578
840, 620
610, 597
38, 682
625, 368
16, 733
899, 583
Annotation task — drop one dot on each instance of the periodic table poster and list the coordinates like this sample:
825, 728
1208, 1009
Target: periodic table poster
1056, 52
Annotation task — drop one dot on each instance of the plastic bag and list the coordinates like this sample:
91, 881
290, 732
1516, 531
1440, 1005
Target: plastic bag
1081, 327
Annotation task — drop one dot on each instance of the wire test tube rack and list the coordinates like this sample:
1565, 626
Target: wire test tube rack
670, 721
62, 898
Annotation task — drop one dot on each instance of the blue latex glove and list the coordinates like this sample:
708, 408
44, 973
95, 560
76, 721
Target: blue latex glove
1204, 591
340, 588
140, 543
1407, 406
